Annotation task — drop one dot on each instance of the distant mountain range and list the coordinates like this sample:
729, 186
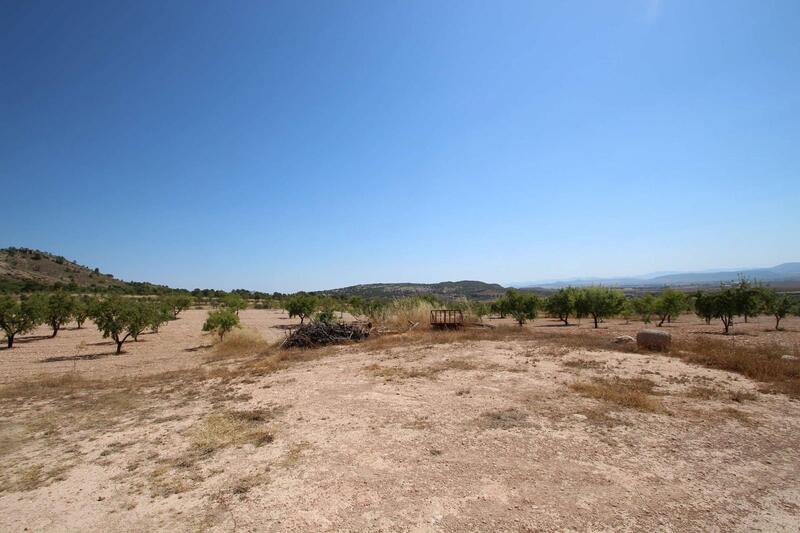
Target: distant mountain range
24, 269
786, 273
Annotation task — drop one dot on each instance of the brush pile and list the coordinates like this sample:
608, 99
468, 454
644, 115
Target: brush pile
320, 333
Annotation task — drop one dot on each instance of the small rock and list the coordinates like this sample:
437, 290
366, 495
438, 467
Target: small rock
578, 416
624, 339
788, 357
100, 498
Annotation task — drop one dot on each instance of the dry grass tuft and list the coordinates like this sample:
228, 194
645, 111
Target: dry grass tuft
584, 364
295, 453
631, 393
47, 386
239, 343
712, 393
508, 418
391, 373
233, 428
32, 477
761, 363
740, 416
419, 423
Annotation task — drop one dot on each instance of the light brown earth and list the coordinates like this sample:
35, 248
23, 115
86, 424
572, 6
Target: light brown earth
555, 429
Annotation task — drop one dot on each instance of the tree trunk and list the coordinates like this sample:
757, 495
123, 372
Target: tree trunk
119, 346
566, 320
745, 318
55, 331
10, 341
662, 321
595, 321
777, 322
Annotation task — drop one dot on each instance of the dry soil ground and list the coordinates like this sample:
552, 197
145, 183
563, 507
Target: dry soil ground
555, 428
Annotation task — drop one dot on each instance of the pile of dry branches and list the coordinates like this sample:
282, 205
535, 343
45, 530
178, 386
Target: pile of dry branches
319, 333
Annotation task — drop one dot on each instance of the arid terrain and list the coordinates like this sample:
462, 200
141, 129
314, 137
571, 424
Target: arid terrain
539, 428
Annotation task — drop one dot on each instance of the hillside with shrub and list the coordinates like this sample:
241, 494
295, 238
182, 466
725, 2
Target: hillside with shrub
27, 270
447, 290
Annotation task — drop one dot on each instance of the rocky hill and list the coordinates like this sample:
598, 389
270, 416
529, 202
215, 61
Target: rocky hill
24, 269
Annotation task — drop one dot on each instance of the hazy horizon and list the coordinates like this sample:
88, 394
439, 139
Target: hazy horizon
282, 146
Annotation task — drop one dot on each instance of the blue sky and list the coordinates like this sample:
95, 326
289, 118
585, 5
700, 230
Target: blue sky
309, 145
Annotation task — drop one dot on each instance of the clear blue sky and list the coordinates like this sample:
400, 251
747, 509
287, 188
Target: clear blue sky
308, 145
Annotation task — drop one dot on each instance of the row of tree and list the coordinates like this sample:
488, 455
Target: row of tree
115, 316
741, 300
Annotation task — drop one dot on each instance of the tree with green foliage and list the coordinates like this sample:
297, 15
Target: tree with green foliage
581, 304
778, 305
602, 302
58, 310
139, 317
749, 298
234, 302
301, 305
496, 308
221, 321
478, 309
522, 306
115, 317
669, 304
355, 305
17, 318
178, 303
561, 304
725, 305
627, 310
376, 309
159, 313
80, 310
704, 305
643, 307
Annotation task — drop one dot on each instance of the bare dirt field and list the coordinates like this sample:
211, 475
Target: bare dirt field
541, 428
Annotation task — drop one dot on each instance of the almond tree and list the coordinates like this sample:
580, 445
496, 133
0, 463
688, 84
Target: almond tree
114, 318
221, 321
561, 304
521, 306
178, 303
778, 305
602, 302
669, 305
301, 305
58, 310
17, 318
